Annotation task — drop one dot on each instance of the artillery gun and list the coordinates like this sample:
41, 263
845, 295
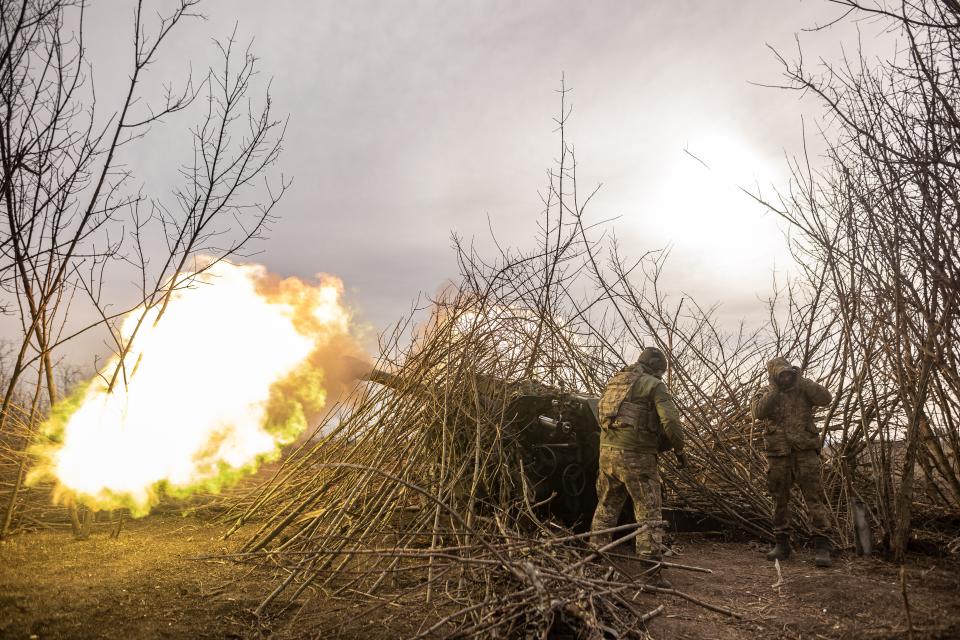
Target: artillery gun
557, 437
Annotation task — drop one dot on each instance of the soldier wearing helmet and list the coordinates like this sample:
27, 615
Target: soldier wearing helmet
638, 418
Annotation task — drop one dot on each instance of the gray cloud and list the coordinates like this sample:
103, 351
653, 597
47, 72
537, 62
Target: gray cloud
411, 120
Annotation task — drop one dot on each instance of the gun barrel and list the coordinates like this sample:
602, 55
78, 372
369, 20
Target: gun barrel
391, 380
365, 371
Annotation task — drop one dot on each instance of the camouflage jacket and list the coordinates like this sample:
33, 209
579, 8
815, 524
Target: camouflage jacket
788, 412
658, 410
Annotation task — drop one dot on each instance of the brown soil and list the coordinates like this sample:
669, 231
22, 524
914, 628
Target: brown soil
153, 583
145, 584
856, 598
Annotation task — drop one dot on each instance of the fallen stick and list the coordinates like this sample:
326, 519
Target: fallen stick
633, 584
687, 596
671, 565
466, 610
779, 582
906, 600
39, 523
610, 545
652, 614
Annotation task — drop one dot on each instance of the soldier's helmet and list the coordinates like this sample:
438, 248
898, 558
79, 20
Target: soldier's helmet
654, 359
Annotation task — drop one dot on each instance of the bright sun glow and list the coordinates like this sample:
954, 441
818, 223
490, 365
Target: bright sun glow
704, 212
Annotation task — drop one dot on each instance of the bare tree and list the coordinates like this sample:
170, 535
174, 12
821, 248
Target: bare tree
71, 211
880, 229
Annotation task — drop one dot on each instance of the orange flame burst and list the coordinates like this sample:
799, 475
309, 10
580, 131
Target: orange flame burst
235, 368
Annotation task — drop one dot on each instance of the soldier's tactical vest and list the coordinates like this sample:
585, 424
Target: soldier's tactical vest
616, 411
614, 408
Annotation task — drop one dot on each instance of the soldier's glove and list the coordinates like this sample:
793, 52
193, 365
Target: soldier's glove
681, 459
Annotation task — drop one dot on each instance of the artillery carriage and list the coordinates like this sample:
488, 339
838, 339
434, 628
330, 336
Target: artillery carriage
556, 435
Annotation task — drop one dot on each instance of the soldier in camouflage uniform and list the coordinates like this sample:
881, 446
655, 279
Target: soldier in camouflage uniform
793, 453
628, 457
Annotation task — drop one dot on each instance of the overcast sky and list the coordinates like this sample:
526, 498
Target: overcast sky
410, 120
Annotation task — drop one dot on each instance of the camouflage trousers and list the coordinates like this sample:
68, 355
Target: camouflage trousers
624, 473
801, 468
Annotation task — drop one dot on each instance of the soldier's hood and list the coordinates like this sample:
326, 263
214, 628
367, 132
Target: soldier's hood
775, 366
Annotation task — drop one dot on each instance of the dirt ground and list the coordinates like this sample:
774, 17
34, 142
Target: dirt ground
856, 598
150, 584
145, 584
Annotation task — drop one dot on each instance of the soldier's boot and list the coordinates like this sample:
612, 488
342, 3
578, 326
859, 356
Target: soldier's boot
656, 578
781, 551
822, 557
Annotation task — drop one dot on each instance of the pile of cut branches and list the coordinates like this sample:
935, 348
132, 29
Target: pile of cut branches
416, 490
